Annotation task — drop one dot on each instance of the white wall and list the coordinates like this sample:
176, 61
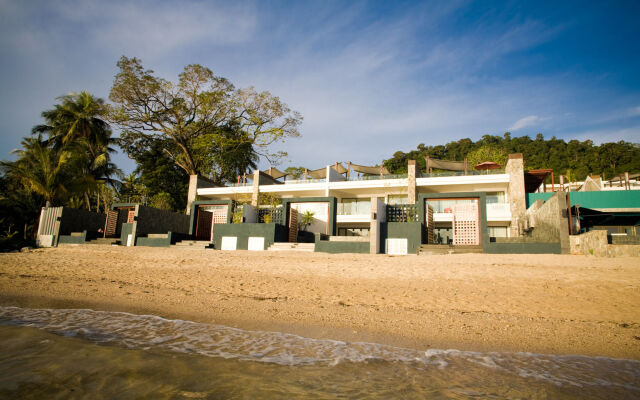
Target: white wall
320, 217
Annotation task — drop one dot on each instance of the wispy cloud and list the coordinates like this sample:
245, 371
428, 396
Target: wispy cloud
524, 122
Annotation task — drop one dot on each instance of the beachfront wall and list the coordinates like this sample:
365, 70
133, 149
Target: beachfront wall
69, 225
271, 233
412, 231
596, 243
160, 227
335, 247
76, 221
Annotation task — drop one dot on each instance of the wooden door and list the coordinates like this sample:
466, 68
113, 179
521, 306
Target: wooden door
203, 225
293, 225
110, 223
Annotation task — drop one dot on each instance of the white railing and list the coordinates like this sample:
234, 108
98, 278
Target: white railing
498, 210
359, 208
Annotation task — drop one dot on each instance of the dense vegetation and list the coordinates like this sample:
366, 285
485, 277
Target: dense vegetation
201, 124
574, 159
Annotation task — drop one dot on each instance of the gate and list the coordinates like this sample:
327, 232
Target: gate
49, 226
206, 219
110, 224
466, 221
293, 225
203, 225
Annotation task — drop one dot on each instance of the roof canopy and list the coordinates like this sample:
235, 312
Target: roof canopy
375, 170
275, 173
445, 164
534, 178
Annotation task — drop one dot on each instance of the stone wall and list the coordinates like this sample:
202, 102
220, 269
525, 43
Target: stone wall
516, 191
596, 243
547, 222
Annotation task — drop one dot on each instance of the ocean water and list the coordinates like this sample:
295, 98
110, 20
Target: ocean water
86, 354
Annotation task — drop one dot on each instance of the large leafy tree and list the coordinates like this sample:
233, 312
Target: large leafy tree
200, 119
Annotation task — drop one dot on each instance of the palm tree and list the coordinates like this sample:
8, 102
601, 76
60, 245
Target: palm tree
45, 170
78, 119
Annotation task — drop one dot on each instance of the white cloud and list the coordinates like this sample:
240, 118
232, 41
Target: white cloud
634, 111
524, 122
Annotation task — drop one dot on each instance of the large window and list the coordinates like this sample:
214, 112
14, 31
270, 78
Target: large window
497, 231
354, 207
495, 197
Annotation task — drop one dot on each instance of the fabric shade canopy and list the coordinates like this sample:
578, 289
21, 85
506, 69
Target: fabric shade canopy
445, 164
376, 170
275, 173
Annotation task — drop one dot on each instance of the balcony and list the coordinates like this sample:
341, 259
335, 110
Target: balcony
498, 211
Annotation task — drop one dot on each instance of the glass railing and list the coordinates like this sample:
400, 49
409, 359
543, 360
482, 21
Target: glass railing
359, 208
462, 173
241, 184
297, 181
376, 177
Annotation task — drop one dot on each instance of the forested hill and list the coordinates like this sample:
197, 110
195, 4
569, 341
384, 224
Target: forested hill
574, 158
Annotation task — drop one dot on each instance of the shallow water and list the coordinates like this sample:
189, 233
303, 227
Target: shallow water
53, 353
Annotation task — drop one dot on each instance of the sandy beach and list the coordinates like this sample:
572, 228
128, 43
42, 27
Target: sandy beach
548, 304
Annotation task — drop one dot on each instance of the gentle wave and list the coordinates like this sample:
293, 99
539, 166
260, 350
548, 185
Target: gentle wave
148, 331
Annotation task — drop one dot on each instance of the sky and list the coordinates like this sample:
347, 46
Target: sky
369, 78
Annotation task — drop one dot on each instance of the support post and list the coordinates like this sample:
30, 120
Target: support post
411, 182
256, 188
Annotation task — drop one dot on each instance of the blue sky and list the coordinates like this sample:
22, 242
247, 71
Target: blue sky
369, 78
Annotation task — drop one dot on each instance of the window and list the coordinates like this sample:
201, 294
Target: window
495, 197
354, 207
497, 231
446, 205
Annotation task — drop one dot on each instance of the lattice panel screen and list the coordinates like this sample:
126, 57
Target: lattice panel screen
220, 215
466, 224
429, 222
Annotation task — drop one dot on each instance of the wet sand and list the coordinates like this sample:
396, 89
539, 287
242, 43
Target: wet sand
537, 303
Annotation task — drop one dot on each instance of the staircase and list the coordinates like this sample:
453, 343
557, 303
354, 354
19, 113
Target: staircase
193, 244
431, 249
287, 246
104, 241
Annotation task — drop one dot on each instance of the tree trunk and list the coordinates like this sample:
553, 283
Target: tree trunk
87, 201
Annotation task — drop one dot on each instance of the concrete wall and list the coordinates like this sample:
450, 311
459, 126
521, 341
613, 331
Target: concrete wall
412, 231
75, 220
152, 220
157, 240
335, 247
548, 222
512, 247
596, 243
270, 232
195, 182
76, 238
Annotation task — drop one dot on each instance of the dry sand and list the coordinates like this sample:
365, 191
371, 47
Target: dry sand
536, 303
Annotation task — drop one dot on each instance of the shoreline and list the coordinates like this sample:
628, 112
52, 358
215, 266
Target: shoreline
544, 304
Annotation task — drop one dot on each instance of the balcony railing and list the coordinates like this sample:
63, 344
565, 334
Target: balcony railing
355, 177
498, 210
462, 173
356, 208
298, 181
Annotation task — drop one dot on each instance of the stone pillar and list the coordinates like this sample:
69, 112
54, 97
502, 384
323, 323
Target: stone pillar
195, 182
411, 181
516, 192
378, 215
256, 188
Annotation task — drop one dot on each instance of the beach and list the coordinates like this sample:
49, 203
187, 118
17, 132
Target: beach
547, 304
